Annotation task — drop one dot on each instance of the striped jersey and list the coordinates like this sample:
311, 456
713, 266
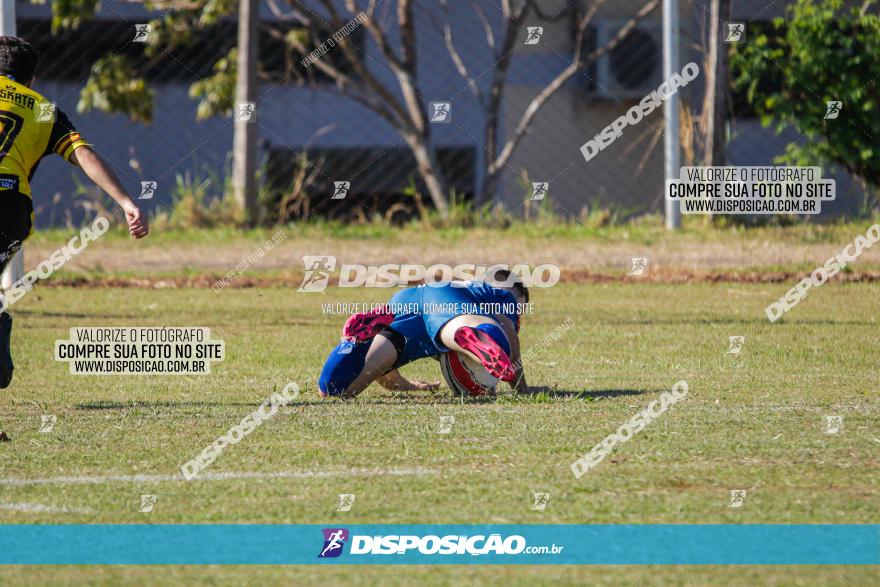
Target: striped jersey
30, 128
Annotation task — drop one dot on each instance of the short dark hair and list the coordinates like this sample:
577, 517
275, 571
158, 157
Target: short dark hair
18, 59
503, 276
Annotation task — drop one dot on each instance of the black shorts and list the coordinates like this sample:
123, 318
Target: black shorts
16, 212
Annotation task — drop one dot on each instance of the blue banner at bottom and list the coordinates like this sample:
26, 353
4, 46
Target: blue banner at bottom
718, 544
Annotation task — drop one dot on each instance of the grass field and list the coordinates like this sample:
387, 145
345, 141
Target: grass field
576, 248
752, 421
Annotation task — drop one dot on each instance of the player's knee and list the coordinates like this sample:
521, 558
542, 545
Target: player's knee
329, 384
342, 367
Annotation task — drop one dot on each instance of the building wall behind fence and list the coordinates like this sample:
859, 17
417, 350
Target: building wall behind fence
628, 175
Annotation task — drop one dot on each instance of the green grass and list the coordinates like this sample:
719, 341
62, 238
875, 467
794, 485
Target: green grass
752, 421
647, 230
406, 576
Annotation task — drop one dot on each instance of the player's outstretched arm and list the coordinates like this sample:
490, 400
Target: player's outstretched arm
103, 176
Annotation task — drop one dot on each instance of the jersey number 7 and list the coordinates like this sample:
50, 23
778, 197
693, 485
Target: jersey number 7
11, 125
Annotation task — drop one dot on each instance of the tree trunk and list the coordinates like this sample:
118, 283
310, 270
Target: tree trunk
244, 157
493, 114
490, 187
429, 169
714, 116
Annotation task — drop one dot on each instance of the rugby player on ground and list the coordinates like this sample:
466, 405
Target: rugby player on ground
425, 321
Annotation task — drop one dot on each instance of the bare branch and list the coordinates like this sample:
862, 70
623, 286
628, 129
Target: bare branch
455, 55
408, 76
624, 31
370, 102
505, 8
532, 110
294, 15
499, 82
345, 86
585, 22
487, 26
407, 34
356, 60
379, 37
523, 9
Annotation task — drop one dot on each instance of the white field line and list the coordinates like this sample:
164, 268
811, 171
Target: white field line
215, 476
39, 508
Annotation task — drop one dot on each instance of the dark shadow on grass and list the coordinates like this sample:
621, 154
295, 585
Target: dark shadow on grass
551, 394
102, 315
600, 393
689, 320
114, 405
442, 399
597, 393
328, 404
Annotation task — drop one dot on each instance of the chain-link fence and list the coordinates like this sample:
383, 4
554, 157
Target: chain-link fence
476, 100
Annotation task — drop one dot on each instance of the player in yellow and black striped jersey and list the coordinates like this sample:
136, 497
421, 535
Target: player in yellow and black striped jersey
30, 129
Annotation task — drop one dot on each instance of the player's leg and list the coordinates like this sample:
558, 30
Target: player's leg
6, 365
16, 220
365, 325
352, 366
380, 360
376, 342
483, 339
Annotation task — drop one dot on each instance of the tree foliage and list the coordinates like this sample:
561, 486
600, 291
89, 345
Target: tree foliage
111, 88
216, 93
115, 85
69, 14
822, 52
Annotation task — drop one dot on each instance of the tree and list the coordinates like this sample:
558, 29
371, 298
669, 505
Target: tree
714, 116
244, 143
503, 33
822, 53
498, 153
399, 103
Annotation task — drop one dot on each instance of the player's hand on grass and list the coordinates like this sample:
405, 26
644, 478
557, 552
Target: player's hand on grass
136, 219
418, 385
394, 381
